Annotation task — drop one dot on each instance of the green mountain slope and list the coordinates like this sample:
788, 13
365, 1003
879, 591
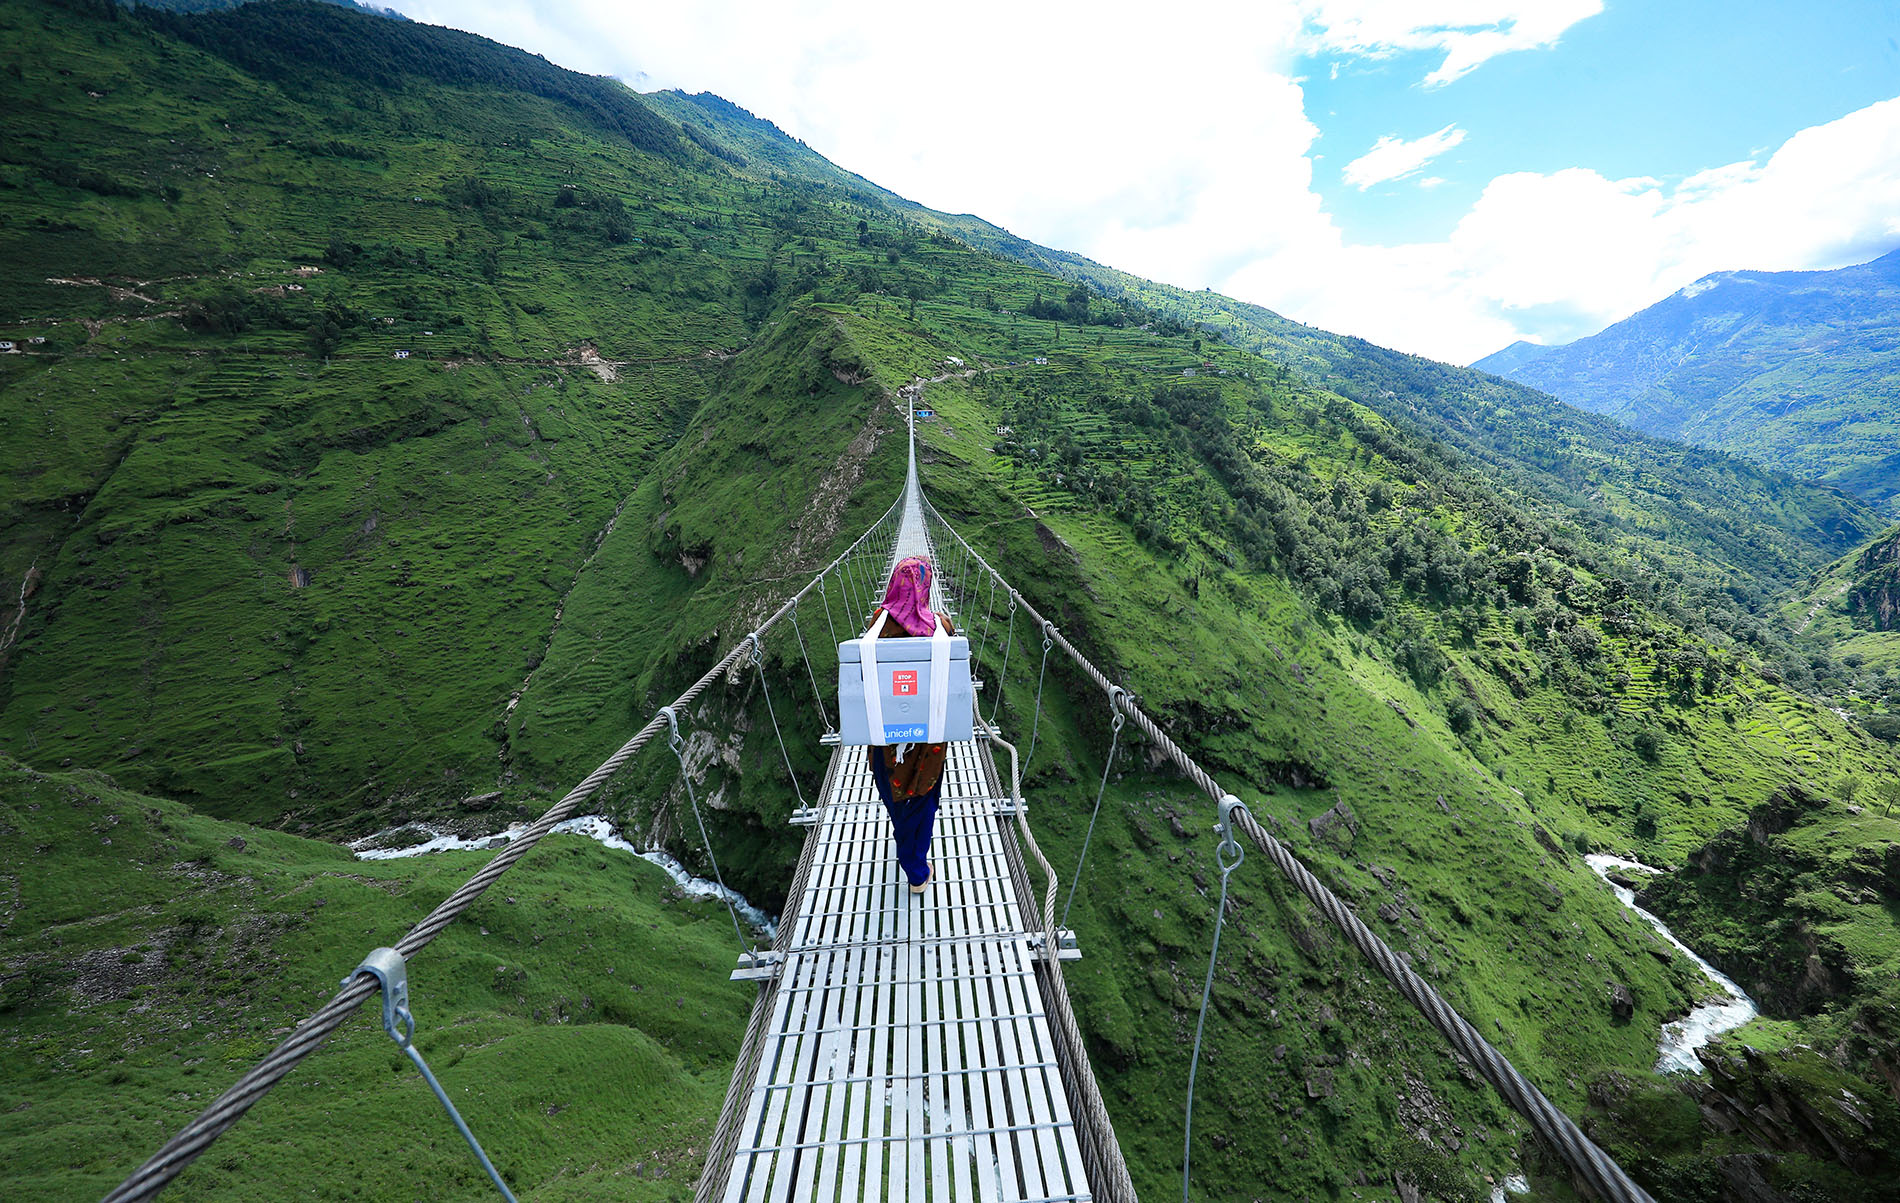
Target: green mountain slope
278, 573
554, 1027
1847, 613
1708, 535
1794, 370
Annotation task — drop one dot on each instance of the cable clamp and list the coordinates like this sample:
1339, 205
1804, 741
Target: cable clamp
673, 721
1230, 853
387, 966
758, 966
1066, 947
391, 972
758, 648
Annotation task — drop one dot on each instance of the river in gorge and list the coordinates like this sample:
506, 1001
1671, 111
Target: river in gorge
1682, 1037
595, 827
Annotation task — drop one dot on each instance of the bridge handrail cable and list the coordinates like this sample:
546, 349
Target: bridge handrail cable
198, 1135
1559, 1132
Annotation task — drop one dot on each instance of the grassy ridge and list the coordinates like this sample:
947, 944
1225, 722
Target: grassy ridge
1462, 843
579, 1014
1642, 498
355, 515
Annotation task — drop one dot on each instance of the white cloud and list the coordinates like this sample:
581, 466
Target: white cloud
1467, 32
1069, 129
1392, 158
1555, 256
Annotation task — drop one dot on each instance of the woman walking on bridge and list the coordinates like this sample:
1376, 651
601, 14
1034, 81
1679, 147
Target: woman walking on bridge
909, 777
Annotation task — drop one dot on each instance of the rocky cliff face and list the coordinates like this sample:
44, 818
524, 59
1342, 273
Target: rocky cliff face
1792, 1103
1802, 1119
1874, 598
1780, 954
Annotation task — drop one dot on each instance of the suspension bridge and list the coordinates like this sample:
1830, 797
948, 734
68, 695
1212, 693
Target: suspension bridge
906, 1048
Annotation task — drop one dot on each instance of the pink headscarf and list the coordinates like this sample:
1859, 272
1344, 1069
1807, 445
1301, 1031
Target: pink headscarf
908, 598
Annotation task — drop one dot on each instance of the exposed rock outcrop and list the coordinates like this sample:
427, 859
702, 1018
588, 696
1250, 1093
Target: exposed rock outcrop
1789, 1102
1785, 961
1874, 597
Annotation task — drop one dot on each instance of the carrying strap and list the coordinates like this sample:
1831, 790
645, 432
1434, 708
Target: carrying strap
939, 681
867, 664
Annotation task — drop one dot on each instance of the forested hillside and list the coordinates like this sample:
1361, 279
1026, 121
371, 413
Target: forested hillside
1710, 536
412, 417
1794, 370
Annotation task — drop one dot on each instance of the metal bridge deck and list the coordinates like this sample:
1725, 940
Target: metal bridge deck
908, 1055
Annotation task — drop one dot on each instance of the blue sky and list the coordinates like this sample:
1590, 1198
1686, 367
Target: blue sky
1440, 176
1658, 89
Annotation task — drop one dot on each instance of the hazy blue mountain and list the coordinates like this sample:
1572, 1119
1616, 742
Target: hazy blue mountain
1512, 358
1794, 370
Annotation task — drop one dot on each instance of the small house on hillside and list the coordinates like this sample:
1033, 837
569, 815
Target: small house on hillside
402, 355
6, 346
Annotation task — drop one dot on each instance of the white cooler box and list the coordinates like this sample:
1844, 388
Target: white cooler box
916, 690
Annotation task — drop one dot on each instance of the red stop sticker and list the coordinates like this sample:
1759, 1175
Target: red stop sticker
904, 683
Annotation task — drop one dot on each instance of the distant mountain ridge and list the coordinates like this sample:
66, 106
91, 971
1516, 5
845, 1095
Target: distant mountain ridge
1767, 523
1795, 370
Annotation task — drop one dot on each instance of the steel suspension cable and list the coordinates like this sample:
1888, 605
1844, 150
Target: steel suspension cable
1114, 741
1559, 1132
678, 745
825, 599
850, 575
963, 578
1228, 856
758, 659
989, 611
845, 595
1035, 723
817, 697
1002, 674
847, 592
223, 1112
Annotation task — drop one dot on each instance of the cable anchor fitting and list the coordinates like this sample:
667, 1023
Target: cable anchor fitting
389, 969
1230, 853
672, 718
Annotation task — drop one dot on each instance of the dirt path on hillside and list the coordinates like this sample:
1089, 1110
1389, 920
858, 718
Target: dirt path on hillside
1814, 610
